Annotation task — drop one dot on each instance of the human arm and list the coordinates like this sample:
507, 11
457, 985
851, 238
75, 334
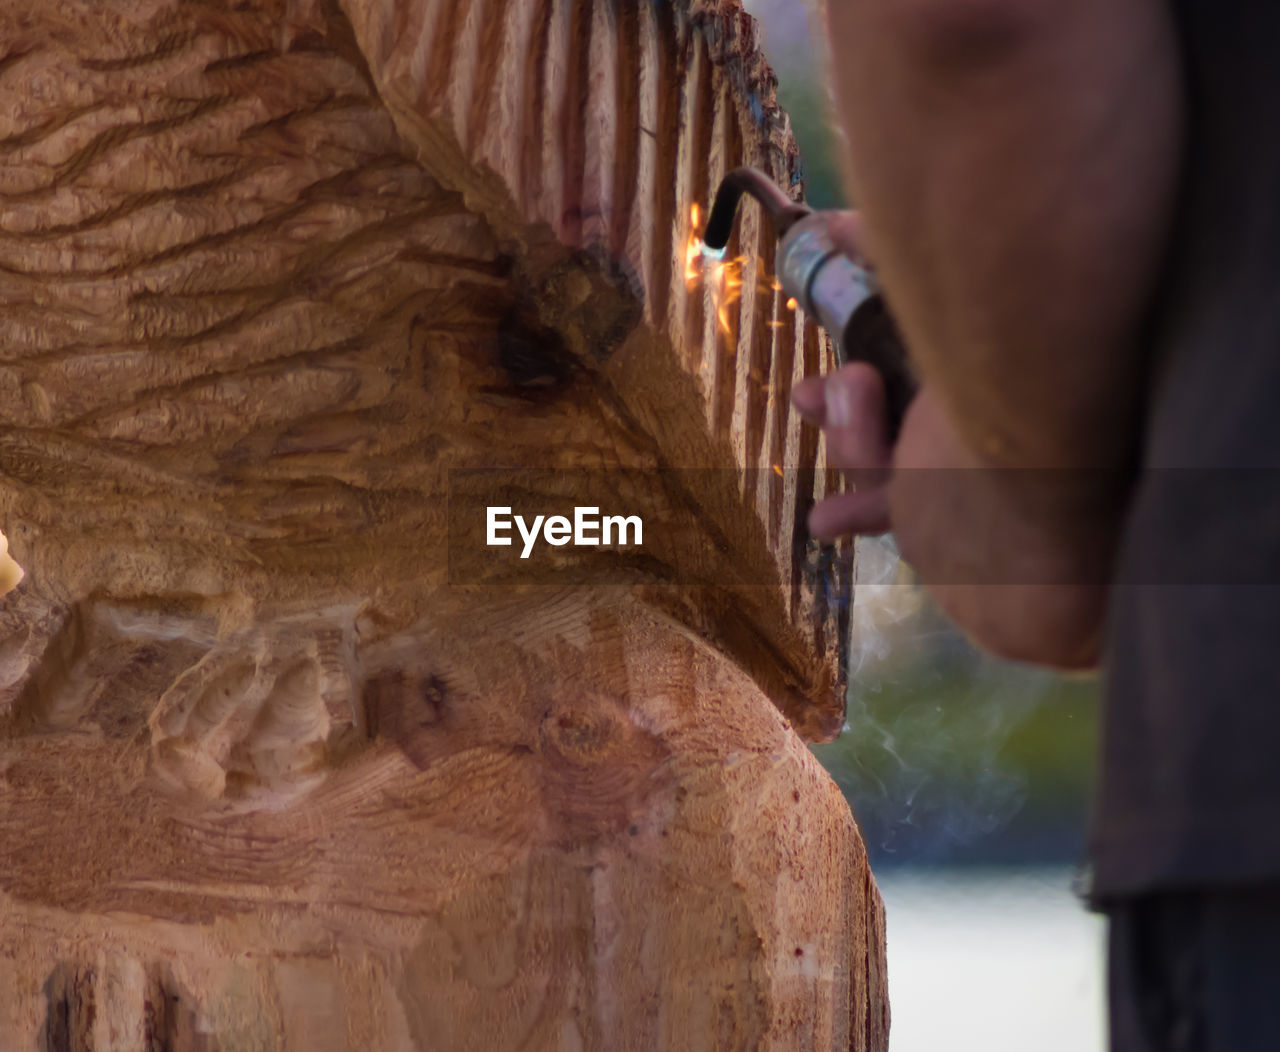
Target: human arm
1016, 165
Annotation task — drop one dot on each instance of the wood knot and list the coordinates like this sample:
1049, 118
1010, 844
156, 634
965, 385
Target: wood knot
581, 737
533, 356
599, 769
418, 711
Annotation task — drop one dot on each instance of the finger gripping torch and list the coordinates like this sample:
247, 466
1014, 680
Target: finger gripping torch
839, 292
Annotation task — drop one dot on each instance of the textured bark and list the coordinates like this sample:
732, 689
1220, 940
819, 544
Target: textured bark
269, 777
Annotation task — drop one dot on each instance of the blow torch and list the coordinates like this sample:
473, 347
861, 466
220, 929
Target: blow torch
839, 292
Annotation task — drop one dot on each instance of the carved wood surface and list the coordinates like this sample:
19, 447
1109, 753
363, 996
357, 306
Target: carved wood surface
268, 776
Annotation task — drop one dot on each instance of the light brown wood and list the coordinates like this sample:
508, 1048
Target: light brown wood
272, 277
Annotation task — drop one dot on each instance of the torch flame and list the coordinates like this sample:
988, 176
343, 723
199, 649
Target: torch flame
693, 251
724, 279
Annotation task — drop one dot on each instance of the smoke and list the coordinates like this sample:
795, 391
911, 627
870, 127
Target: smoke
886, 604
921, 757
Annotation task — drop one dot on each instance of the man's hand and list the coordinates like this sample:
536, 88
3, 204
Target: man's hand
1024, 588
1013, 557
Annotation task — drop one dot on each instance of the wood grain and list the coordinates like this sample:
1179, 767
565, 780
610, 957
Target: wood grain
271, 274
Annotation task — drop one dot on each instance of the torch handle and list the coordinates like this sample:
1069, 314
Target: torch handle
843, 296
871, 336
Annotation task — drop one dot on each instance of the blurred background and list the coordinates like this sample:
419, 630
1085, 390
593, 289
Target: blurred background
970, 778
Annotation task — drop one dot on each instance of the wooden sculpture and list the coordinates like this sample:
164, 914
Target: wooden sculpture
277, 280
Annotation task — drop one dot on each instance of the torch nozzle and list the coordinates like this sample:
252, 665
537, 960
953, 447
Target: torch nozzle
782, 211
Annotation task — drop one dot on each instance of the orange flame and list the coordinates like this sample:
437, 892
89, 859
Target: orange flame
724, 279
693, 251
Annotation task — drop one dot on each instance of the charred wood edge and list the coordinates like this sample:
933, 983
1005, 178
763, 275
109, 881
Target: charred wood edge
168, 1022
69, 1009
169, 1017
875, 968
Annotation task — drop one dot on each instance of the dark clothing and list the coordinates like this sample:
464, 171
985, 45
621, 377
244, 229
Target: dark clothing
1190, 764
1196, 971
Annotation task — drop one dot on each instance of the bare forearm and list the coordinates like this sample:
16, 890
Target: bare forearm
1015, 162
